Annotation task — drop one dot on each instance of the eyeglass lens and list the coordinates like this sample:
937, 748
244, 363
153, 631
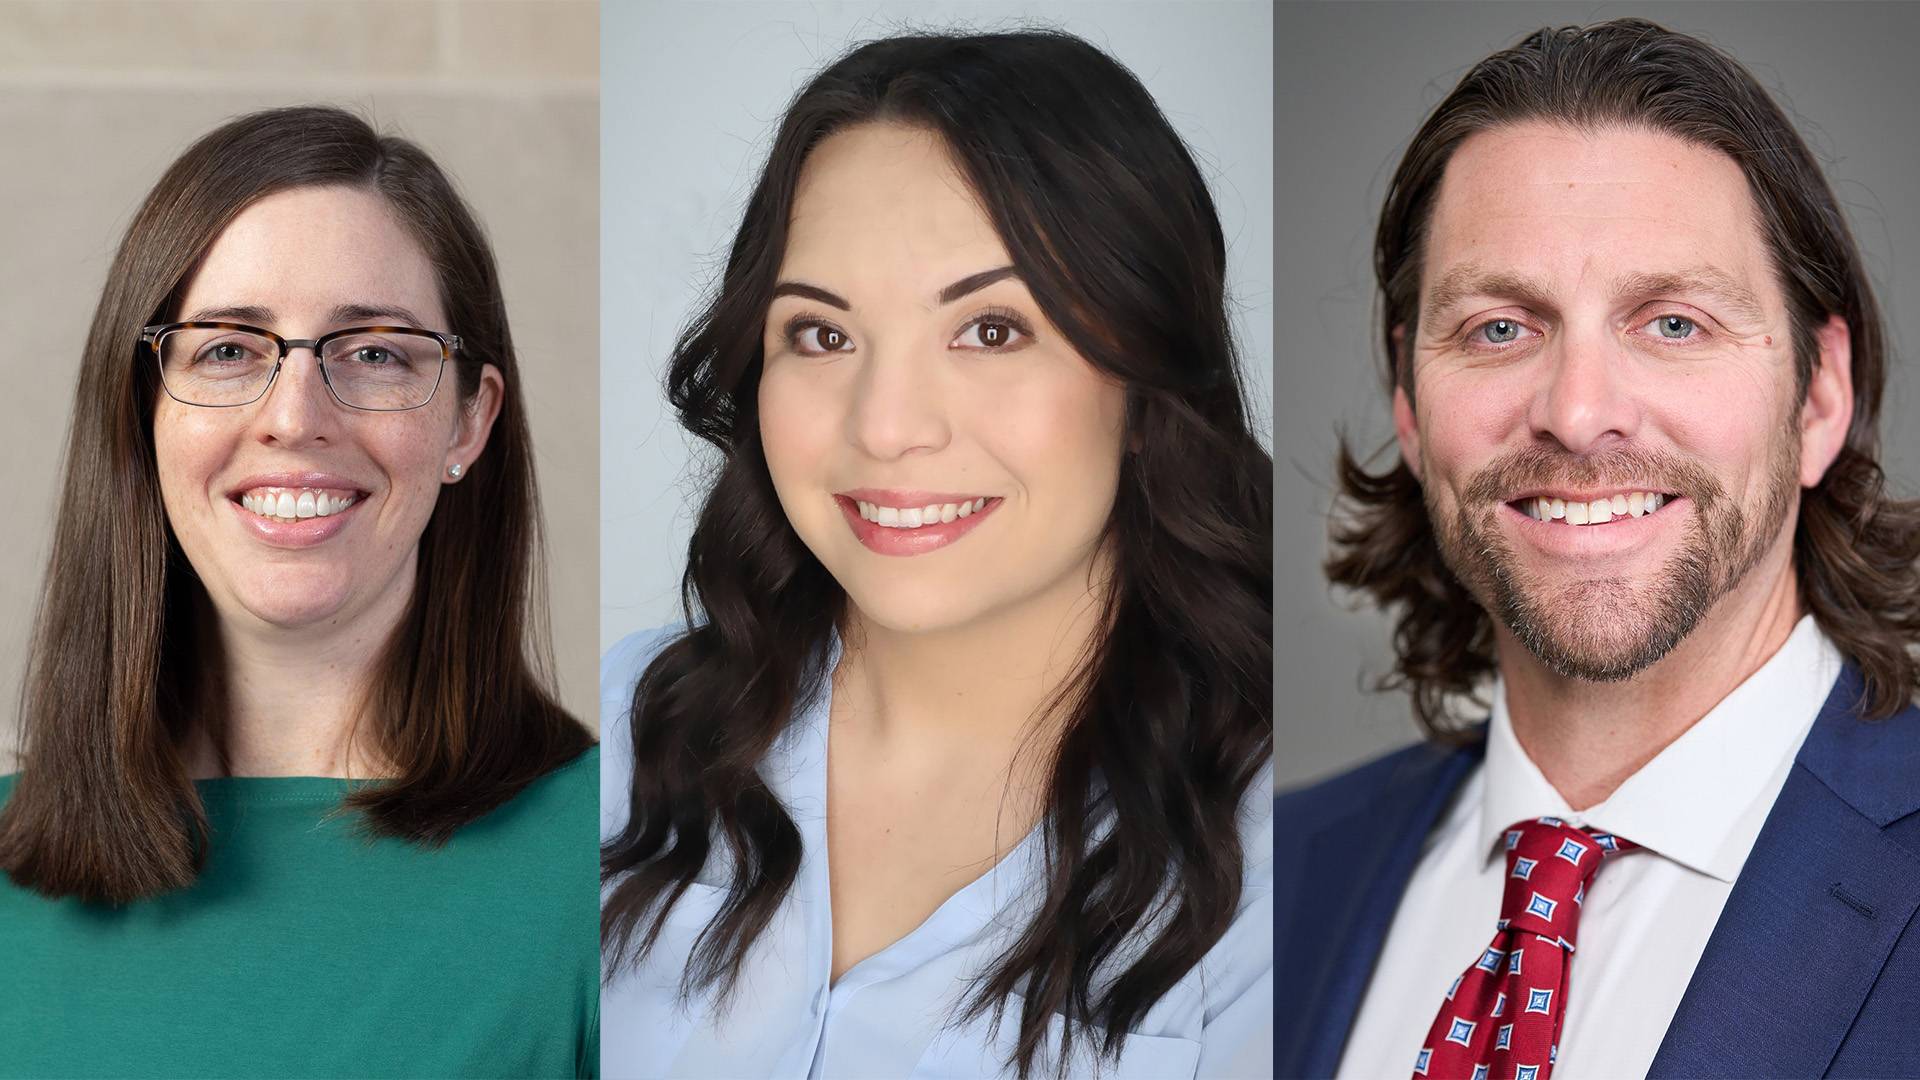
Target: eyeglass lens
384, 370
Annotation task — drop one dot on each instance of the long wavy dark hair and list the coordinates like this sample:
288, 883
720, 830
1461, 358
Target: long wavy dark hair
1110, 224
460, 703
1856, 547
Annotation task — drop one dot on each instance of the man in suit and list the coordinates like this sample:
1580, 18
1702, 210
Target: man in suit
1636, 371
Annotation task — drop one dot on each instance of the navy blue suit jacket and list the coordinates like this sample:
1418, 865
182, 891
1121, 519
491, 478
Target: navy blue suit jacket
1812, 970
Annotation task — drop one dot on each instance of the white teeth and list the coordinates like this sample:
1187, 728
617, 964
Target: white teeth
289, 506
914, 517
1594, 512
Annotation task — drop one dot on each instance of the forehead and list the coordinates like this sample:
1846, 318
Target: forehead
883, 206
310, 249
1579, 209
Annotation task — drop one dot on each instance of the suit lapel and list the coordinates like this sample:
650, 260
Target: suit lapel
1356, 881
1822, 899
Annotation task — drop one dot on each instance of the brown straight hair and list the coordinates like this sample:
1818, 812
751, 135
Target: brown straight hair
1856, 548
119, 671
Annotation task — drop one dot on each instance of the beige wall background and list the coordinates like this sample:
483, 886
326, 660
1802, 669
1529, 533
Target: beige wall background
97, 97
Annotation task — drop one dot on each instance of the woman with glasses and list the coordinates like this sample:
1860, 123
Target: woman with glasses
960, 766
297, 796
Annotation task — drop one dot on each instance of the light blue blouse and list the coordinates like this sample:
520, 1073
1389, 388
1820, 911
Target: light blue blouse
891, 1015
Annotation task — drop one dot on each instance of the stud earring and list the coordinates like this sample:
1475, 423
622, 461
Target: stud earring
455, 471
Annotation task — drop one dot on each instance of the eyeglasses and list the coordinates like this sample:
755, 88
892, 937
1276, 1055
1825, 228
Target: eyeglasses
220, 365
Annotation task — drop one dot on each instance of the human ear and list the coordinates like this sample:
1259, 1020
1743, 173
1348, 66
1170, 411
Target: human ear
1827, 412
473, 422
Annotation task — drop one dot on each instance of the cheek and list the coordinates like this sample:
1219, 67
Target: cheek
799, 416
1060, 438
188, 449
1465, 421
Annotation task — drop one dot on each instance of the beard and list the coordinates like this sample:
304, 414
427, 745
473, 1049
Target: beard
1611, 629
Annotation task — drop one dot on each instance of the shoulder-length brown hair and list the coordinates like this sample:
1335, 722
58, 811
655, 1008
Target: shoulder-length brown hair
103, 809
1855, 547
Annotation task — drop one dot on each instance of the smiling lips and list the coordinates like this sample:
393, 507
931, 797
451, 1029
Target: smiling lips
293, 504
1591, 511
911, 522
295, 510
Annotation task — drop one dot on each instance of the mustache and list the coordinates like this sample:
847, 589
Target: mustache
1534, 467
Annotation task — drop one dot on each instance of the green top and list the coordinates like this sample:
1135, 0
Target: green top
306, 949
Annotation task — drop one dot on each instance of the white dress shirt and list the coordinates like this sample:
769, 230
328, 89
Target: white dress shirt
890, 1014
1695, 809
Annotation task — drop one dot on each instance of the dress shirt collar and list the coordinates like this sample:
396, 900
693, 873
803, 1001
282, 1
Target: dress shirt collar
1695, 801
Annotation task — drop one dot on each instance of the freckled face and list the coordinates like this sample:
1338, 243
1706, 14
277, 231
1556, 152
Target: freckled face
1604, 409
936, 444
301, 263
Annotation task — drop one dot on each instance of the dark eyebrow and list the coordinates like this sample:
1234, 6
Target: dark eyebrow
1700, 279
360, 313
246, 313
1469, 279
810, 292
342, 314
974, 283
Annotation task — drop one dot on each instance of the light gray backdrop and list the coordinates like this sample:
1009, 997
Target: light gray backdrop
1353, 82
691, 93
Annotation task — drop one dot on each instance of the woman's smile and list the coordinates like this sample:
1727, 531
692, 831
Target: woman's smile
892, 522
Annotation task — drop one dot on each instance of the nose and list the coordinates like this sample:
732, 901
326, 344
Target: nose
298, 409
1586, 402
898, 407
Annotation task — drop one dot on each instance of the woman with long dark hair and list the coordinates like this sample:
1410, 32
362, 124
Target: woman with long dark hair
960, 764
290, 747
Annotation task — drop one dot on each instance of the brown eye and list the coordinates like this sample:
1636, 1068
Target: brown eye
818, 338
992, 333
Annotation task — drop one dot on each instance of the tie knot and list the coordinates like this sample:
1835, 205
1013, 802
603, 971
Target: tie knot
1549, 864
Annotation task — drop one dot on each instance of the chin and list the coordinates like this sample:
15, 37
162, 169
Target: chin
915, 607
1612, 636
292, 601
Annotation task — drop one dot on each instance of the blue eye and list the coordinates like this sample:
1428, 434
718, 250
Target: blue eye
1674, 327
1500, 331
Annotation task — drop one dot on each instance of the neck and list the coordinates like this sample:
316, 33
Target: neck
982, 683
292, 696
1588, 738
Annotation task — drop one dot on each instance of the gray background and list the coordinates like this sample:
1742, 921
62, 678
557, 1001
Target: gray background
692, 92
96, 99
1354, 81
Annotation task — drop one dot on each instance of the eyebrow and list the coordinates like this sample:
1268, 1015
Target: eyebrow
811, 292
1699, 279
341, 313
1469, 279
972, 283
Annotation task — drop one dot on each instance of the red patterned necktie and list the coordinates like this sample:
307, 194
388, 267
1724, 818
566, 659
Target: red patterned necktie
1501, 1020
